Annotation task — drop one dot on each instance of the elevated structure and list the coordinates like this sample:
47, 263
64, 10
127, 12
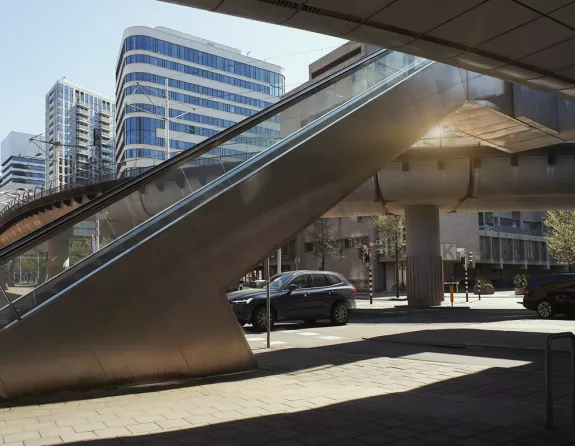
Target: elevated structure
529, 42
202, 226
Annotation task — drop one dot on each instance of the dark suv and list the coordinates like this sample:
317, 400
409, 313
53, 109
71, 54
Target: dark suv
551, 294
299, 295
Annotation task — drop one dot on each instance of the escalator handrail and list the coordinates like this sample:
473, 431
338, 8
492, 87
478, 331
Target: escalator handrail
79, 214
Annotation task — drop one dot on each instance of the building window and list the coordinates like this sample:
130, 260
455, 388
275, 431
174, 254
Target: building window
519, 249
496, 255
308, 247
276, 81
507, 244
485, 247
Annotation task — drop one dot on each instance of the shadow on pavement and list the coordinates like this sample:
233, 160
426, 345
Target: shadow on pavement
491, 406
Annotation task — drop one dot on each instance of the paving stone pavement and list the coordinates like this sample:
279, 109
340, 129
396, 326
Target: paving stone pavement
306, 397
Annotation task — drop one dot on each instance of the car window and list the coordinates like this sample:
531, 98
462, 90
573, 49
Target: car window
333, 280
319, 281
302, 281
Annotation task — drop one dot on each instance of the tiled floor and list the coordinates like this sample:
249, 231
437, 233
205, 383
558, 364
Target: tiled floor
309, 397
391, 376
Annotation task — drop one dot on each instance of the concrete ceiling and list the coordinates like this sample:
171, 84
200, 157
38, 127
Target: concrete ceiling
531, 42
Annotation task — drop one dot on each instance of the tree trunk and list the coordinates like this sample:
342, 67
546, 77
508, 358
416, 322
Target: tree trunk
397, 273
323, 262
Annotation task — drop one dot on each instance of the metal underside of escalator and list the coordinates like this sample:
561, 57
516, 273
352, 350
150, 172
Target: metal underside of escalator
152, 303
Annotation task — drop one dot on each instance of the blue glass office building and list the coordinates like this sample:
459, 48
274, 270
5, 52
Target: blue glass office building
198, 87
23, 163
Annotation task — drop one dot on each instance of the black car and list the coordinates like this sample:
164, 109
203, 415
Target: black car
551, 294
299, 295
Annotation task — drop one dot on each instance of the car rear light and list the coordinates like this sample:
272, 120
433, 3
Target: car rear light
526, 291
353, 291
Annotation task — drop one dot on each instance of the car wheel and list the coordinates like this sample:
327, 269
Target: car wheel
310, 321
545, 309
339, 314
259, 318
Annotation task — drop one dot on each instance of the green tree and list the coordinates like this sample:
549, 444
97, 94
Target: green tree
391, 230
324, 241
79, 250
561, 236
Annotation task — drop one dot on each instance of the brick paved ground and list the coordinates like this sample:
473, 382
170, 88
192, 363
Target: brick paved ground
308, 396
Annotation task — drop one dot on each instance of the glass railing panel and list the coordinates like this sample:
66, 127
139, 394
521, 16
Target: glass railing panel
81, 249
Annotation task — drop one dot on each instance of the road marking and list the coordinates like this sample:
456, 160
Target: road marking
308, 333
255, 339
330, 338
277, 342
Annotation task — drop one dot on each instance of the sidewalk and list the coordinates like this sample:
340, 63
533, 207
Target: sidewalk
309, 396
501, 299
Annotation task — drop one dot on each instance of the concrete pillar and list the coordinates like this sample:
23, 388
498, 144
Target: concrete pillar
58, 250
424, 265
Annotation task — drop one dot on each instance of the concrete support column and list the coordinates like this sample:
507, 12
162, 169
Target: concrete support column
58, 249
424, 265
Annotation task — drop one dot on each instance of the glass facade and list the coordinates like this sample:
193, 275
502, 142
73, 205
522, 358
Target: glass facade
206, 92
192, 100
195, 88
275, 81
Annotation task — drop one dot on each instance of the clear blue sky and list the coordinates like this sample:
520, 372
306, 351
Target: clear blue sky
44, 40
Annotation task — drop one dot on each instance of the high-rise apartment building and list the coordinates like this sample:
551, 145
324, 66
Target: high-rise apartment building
80, 129
23, 162
199, 87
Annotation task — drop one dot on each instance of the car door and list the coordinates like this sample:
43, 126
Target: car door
322, 295
295, 305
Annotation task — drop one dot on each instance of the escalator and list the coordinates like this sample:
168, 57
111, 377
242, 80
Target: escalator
150, 302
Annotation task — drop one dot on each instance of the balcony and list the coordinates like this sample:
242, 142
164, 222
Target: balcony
82, 136
104, 113
79, 105
82, 112
82, 119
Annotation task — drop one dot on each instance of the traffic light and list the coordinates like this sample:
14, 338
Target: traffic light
365, 254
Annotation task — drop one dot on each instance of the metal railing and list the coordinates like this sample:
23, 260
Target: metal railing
82, 177
184, 157
549, 378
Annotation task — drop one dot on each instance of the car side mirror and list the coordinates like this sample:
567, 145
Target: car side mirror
292, 287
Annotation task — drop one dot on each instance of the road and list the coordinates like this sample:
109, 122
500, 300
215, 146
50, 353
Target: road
494, 323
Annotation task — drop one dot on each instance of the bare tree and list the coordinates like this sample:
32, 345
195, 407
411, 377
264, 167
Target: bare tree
391, 230
324, 241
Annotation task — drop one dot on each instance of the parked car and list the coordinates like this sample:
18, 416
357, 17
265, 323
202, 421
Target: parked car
551, 294
298, 295
257, 283
246, 285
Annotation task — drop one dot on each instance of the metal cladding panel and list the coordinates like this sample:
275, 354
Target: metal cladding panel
528, 38
422, 15
265, 12
159, 309
363, 9
555, 58
484, 22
